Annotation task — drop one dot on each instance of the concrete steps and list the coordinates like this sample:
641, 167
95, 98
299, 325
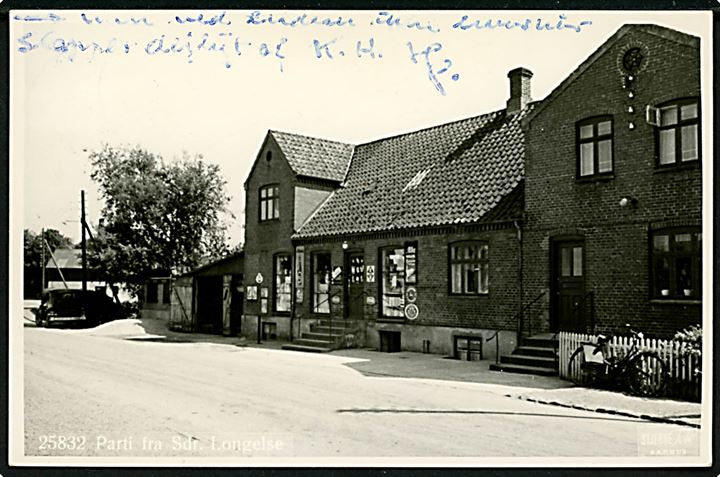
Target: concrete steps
517, 368
537, 355
307, 349
324, 336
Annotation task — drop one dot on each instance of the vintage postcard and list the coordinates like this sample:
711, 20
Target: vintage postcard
360, 238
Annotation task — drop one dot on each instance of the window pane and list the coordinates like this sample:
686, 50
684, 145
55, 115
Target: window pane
263, 210
668, 116
471, 276
270, 211
689, 111
605, 156
683, 272
586, 159
661, 243
586, 131
604, 128
276, 209
263, 193
667, 146
484, 252
471, 252
484, 278
662, 277
283, 276
577, 261
565, 263
689, 142
683, 243
456, 284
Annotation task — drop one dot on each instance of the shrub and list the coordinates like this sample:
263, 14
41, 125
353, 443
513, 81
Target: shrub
692, 338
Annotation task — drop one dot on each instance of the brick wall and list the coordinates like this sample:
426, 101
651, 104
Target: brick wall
264, 240
496, 310
616, 238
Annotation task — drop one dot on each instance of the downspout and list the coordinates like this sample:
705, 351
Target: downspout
521, 320
292, 290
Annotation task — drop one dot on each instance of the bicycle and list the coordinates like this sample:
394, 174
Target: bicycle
643, 372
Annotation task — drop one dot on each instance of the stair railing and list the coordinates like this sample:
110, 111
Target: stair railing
520, 316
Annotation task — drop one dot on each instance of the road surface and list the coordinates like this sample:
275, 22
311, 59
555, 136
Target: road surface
104, 396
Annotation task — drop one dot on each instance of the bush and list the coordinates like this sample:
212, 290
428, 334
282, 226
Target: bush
692, 338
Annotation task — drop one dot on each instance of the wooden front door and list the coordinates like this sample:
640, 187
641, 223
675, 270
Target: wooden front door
354, 285
568, 280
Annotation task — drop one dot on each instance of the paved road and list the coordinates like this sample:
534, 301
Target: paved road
109, 397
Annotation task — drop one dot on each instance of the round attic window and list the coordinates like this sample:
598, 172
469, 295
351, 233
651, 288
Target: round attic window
632, 59
268, 156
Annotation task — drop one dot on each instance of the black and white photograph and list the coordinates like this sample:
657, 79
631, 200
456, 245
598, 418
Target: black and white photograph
375, 238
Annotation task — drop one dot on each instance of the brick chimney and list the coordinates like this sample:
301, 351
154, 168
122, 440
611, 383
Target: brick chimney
519, 89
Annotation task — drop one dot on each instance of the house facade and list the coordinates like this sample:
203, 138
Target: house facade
291, 176
613, 190
418, 250
581, 212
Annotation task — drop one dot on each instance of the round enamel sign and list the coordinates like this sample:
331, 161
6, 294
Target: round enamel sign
411, 294
411, 311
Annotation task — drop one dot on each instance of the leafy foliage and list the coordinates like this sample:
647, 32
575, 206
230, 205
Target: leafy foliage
692, 337
32, 260
157, 215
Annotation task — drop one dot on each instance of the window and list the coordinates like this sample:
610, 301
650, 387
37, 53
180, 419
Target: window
283, 282
468, 348
677, 133
393, 282
676, 263
321, 283
595, 146
269, 205
469, 268
356, 274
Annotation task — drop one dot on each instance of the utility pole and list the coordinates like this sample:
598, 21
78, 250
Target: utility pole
42, 262
82, 243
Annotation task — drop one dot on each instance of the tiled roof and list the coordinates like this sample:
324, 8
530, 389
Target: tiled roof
466, 171
313, 157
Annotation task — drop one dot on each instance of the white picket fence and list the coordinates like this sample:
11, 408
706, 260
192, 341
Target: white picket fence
683, 381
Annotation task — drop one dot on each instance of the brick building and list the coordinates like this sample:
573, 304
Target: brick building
292, 175
418, 249
613, 189
578, 213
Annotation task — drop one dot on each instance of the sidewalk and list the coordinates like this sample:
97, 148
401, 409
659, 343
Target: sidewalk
549, 390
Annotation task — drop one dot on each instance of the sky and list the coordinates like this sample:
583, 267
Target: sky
159, 80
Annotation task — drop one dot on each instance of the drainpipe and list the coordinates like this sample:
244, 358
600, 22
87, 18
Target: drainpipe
520, 323
292, 290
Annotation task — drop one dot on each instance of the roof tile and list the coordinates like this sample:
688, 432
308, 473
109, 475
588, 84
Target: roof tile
474, 174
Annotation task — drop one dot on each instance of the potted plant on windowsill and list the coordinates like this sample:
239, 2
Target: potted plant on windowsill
687, 292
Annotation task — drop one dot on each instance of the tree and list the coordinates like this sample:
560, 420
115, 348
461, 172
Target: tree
32, 260
157, 215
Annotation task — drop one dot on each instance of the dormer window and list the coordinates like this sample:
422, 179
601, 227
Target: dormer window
677, 133
594, 147
269, 204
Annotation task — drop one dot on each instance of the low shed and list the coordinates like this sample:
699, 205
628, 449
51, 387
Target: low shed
209, 299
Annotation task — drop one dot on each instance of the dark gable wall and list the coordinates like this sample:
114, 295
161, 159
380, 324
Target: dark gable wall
264, 240
616, 238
